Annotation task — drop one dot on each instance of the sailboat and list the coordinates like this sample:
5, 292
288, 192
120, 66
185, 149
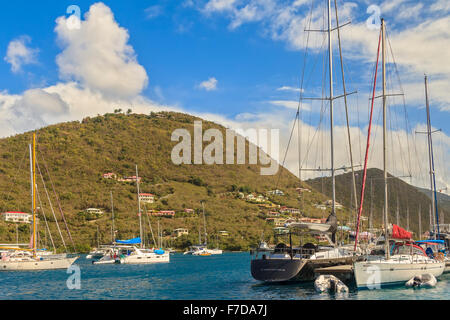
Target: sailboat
201, 249
440, 235
20, 259
286, 263
104, 250
404, 260
131, 254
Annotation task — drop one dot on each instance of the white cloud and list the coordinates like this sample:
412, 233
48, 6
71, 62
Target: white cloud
209, 85
19, 54
288, 88
153, 11
291, 104
219, 5
97, 55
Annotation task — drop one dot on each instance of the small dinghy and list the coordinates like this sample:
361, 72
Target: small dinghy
426, 280
329, 283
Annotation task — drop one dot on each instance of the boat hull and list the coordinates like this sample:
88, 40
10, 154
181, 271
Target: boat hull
37, 264
374, 274
447, 267
276, 270
146, 259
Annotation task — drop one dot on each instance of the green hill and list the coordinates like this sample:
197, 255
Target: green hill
409, 197
79, 153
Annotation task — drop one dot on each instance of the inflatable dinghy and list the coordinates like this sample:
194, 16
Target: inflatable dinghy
329, 283
426, 280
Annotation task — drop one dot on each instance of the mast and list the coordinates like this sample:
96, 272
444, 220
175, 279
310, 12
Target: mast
98, 238
330, 65
407, 218
386, 222
204, 223
371, 205
139, 206
434, 207
112, 217
33, 170
420, 221
398, 213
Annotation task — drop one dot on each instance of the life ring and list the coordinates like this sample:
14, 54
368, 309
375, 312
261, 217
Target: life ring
439, 256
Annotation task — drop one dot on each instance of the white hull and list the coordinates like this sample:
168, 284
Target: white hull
447, 266
146, 258
37, 264
372, 274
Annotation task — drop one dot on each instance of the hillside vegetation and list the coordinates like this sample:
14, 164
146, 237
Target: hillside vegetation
77, 154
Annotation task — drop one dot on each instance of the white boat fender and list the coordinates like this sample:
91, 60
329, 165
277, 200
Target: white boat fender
426, 280
329, 283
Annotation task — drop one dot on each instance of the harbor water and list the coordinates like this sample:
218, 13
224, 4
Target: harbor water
219, 277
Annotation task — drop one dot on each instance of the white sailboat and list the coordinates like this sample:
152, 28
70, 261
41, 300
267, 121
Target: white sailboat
202, 249
141, 255
20, 259
405, 261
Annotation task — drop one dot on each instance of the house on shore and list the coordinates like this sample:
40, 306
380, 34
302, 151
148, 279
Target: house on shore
110, 175
17, 217
180, 232
130, 179
147, 197
162, 213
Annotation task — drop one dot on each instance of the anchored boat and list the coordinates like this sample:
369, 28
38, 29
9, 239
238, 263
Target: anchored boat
21, 259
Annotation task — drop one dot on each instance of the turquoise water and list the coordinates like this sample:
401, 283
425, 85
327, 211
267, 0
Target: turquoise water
219, 277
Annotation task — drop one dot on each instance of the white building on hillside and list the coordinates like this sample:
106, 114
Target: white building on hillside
19, 217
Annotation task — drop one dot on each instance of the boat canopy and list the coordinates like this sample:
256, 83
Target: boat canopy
131, 241
431, 242
400, 233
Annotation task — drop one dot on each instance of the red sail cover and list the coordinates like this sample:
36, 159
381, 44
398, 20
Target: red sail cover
400, 233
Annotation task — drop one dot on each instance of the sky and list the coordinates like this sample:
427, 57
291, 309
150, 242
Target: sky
239, 63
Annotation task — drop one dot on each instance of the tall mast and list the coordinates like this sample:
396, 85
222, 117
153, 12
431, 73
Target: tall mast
204, 223
34, 193
112, 217
434, 207
386, 222
139, 206
420, 221
330, 65
398, 213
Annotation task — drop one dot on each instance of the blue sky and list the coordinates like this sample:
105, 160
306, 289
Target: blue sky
252, 51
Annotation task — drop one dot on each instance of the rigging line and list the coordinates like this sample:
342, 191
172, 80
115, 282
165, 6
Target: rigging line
45, 218
403, 96
346, 107
8, 195
51, 206
301, 97
444, 167
56, 197
367, 147
297, 114
285, 154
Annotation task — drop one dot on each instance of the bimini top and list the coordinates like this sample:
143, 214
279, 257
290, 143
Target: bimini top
131, 241
431, 241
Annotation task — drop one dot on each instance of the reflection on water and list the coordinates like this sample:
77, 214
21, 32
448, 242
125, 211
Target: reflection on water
218, 277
